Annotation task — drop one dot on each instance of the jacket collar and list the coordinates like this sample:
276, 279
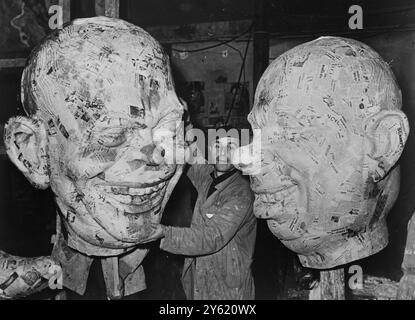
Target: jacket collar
221, 182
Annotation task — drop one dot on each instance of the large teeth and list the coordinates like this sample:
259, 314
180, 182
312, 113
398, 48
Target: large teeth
127, 192
139, 191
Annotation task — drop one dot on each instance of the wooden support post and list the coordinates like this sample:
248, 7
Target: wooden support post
66, 10
100, 7
112, 8
330, 287
261, 41
108, 8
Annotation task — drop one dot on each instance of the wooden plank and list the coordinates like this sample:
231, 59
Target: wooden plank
330, 287
206, 31
100, 7
261, 41
66, 10
12, 63
108, 8
332, 284
112, 8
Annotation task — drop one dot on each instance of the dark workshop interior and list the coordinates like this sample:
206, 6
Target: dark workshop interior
218, 49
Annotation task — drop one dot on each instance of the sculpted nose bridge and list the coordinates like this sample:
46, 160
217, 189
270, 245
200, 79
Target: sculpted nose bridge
153, 154
135, 159
247, 159
222, 152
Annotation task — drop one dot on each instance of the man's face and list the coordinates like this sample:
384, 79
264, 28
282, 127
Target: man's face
223, 151
110, 110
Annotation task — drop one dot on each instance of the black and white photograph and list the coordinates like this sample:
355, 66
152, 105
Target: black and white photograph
225, 151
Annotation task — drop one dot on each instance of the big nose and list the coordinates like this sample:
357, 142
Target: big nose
155, 154
247, 160
223, 152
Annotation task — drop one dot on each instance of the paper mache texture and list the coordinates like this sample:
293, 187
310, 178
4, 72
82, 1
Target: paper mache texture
102, 108
331, 134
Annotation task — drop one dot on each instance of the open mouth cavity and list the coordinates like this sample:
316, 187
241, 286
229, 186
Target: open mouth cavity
134, 200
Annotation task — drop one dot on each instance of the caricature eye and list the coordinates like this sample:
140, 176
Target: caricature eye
112, 137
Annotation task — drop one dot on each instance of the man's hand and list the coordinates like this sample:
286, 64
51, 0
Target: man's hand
153, 232
406, 290
21, 277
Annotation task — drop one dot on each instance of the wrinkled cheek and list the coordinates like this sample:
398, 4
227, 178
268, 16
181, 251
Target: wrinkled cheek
129, 172
299, 160
90, 162
84, 169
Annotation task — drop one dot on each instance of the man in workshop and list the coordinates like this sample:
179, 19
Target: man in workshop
219, 244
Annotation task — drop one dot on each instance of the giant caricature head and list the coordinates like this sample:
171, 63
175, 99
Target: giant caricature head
332, 132
102, 107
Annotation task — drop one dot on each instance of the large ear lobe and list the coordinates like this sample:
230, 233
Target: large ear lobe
387, 132
26, 142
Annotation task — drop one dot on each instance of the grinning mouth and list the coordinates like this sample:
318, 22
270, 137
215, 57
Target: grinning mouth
133, 200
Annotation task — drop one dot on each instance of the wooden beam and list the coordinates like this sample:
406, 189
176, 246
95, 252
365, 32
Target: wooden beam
108, 8
332, 284
66, 10
261, 41
330, 287
100, 7
112, 8
12, 63
206, 31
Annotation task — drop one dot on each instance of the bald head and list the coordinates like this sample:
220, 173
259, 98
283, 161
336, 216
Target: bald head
331, 132
102, 128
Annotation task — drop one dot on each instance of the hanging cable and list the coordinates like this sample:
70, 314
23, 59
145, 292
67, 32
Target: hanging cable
239, 78
242, 58
216, 45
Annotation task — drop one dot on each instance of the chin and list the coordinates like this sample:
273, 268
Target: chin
223, 167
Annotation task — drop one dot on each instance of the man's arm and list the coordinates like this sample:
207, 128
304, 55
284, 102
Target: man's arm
197, 174
215, 234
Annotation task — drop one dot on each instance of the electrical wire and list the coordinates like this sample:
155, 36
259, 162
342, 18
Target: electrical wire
241, 55
239, 78
218, 44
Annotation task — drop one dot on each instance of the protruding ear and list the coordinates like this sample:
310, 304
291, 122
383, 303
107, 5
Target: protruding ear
387, 132
26, 142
